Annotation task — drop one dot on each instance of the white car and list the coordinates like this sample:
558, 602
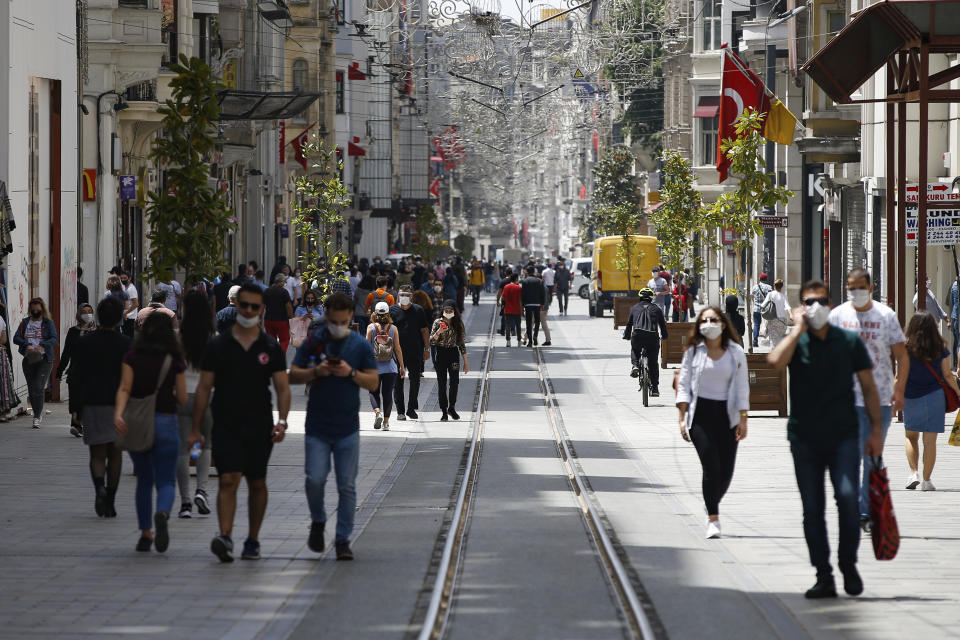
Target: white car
580, 267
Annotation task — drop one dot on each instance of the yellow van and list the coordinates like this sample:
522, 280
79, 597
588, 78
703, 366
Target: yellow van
608, 281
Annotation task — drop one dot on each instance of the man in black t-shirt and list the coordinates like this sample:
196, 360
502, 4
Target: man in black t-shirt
413, 327
562, 280
240, 365
504, 281
279, 310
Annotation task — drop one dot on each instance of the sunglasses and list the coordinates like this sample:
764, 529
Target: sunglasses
711, 319
811, 301
253, 306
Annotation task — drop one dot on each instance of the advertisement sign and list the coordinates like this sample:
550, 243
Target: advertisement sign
773, 222
128, 187
943, 226
89, 185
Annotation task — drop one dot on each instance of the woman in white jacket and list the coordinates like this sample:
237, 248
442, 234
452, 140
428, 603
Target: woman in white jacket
713, 397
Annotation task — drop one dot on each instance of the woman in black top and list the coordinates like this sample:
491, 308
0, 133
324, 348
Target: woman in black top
94, 378
85, 324
156, 348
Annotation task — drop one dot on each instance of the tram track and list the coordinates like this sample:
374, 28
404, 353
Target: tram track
445, 578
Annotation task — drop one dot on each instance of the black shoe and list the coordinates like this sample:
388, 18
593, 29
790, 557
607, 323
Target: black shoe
186, 510
162, 535
343, 550
527, 344
144, 544
109, 509
443, 417
412, 415
825, 588
635, 372
453, 413
222, 547
501, 332
251, 550
76, 430
315, 541
654, 392
534, 342
866, 524
100, 502
852, 583
401, 417
547, 343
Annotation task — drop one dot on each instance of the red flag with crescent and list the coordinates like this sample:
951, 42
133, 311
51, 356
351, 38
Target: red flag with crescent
740, 89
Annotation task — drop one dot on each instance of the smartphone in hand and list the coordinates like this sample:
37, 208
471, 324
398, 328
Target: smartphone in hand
443, 325
334, 362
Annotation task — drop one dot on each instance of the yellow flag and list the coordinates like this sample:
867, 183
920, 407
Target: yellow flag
780, 123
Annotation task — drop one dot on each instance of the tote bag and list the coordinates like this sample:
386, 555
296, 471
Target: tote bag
140, 414
884, 533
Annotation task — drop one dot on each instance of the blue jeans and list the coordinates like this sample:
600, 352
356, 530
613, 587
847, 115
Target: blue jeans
955, 330
157, 467
865, 429
757, 319
346, 456
842, 460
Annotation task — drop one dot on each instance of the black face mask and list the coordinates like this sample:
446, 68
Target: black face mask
35, 314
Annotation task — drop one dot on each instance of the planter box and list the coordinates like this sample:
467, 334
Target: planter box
768, 387
621, 311
671, 349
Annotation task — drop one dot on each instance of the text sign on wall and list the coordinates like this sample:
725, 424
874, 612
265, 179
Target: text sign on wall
943, 226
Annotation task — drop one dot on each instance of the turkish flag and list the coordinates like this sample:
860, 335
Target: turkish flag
298, 143
435, 188
740, 89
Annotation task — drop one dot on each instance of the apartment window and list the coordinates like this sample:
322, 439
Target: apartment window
298, 79
341, 6
836, 20
711, 24
168, 31
708, 140
340, 92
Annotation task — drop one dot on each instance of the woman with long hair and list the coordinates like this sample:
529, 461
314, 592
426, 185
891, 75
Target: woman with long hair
86, 322
95, 373
924, 404
310, 307
421, 298
713, 398
36, 338
449, 336
196, 330
155, 363
382, 334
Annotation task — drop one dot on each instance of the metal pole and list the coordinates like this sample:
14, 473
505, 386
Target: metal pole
922, 178
902, 206
770, 235
891, 276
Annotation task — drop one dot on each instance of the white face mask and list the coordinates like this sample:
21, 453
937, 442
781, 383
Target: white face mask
448, 314
404, 301
859, 297
246, 322
86, 318
817, 315
438, 288
928, 283
338, 331
710, 330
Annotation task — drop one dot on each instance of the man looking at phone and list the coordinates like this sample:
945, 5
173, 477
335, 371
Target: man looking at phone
338, 362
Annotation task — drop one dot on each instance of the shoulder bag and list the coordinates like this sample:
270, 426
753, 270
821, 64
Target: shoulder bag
884, 533
952, 401
140, 415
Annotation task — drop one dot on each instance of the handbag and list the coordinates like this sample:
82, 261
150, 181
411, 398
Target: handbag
769, 311
140, 416
298, 330
884, 533
950, 396
955, 433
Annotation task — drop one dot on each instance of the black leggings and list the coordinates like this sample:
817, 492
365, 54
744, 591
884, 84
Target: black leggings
717, 447
533, 321
384, 389
447, 365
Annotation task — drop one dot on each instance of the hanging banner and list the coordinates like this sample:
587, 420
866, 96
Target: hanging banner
128, 187
943, 226
283, 141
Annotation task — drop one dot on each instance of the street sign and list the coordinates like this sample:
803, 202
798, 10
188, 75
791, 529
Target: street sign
773, 222
943, 226
937, 194
578, 75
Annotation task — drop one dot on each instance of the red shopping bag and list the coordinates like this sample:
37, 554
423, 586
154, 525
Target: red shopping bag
885, 534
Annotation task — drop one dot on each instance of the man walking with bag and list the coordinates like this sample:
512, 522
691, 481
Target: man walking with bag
824, 431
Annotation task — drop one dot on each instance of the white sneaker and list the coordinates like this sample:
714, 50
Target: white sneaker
386, 426
913, 481
378, 421
713, 529
926, 485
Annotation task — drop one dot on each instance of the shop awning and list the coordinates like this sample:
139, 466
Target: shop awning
707, 107
263, 105
355, 150
876, 33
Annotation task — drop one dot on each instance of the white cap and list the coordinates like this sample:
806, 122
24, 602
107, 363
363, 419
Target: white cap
234, 292
382, 307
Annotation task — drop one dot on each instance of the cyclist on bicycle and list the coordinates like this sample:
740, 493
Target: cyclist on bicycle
645, 328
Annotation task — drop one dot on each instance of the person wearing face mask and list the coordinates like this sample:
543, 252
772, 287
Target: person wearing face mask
713, 398
85, 324
777, 327
933, 306
661, 292
239, 366
36, 338
382, 335
413, 328
310, 308
336, 361
95, 372
878, 327
824, 431
449, 336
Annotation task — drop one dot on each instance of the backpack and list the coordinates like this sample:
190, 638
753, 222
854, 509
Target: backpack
382, 344
769, 310
378, 297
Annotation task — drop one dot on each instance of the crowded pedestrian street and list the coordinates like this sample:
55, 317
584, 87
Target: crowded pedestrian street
529, 567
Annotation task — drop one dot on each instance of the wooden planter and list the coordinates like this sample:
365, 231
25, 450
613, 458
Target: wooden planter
621, 311
671, 349
768, 387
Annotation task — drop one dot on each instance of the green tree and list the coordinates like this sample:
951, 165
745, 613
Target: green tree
622, 220
188, 218
756, 189
429, 230
681, 219
464, 244
614, 184
319, 215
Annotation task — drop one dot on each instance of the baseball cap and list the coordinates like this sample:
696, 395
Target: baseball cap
382, 307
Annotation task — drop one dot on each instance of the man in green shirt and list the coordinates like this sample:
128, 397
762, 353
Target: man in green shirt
823, 430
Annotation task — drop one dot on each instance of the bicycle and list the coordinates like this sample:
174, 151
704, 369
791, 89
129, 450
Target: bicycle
644, 379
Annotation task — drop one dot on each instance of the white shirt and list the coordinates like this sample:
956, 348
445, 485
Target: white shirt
293, 287
779, 301
548, 275
715, 379
132, 294
173, 290
932, 306
879, 328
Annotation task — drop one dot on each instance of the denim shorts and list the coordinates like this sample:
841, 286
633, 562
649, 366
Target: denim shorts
926, 413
